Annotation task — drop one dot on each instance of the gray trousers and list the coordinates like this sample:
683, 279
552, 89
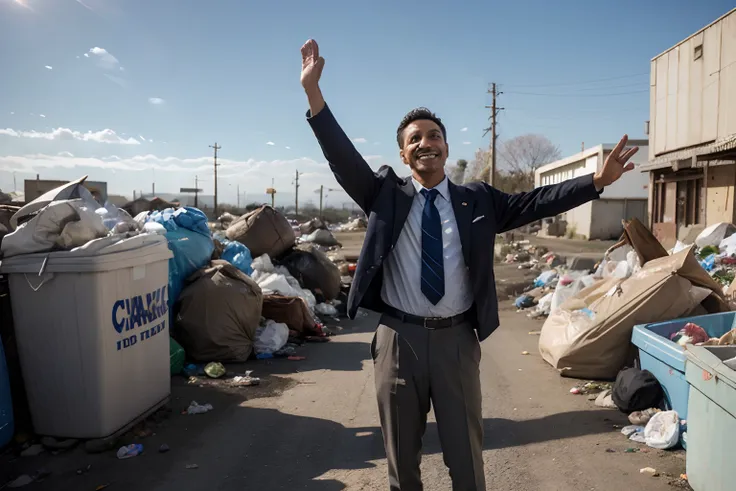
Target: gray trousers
416, 367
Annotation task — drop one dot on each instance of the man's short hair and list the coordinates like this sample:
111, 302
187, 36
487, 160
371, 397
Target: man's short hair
416, 115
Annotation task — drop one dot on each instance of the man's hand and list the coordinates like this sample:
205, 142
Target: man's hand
615, 165
312, 65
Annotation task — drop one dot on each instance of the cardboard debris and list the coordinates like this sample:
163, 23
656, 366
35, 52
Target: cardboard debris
589, 336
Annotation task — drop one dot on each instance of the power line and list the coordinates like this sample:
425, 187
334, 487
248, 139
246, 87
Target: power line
567, 84
580, 95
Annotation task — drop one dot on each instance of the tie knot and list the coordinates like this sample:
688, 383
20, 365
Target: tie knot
430, 194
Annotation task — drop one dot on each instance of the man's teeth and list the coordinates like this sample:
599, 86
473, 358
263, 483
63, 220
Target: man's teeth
428, 156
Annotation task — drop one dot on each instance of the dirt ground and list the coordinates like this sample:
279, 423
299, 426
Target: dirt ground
313, 425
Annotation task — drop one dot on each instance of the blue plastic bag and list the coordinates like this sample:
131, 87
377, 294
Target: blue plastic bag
191, 242
709, 263
238, 255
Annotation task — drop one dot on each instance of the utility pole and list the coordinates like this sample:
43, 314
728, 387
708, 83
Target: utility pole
153, 190
196, 192
296, 193
494, 134
216, 147
15, 185
238, 196
321, 195
273, 195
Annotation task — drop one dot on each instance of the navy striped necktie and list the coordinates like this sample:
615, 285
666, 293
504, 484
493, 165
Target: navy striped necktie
433, 270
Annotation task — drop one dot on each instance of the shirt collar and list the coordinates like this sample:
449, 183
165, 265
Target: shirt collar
443, 188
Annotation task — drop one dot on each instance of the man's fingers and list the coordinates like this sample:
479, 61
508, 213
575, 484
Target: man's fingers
628, 154
629, 166
621, 144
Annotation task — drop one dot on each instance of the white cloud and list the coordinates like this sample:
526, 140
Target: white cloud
359, 140
65, 154
464, 129
270, 143
86, 55
12, 112
288, 148
156, 101
42, 115
466, 143
142, 138
80, 2
104, 59
65, 134
77, 56
48, 67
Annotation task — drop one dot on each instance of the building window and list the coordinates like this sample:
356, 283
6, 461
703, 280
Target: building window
698, 52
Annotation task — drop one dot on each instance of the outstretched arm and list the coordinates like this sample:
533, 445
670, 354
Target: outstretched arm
350, 168
515, 210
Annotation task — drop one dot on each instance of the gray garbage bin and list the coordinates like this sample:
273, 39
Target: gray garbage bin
93, 333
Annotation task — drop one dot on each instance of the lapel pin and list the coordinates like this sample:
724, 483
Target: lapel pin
464, 203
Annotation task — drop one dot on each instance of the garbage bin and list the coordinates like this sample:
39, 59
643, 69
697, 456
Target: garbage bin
93, 333
712, 419
6, 403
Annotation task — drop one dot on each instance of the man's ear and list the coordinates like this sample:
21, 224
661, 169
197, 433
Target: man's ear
403, 157
447, 148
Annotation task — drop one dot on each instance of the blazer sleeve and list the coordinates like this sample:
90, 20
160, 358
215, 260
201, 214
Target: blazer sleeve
516, 210
347, 164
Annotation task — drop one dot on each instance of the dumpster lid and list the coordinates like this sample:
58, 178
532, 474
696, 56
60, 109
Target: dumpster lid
105, 254
711, 358
65, 191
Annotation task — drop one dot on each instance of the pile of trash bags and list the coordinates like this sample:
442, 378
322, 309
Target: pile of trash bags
588, 334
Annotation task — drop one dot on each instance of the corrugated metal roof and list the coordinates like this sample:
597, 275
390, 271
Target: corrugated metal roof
722, 145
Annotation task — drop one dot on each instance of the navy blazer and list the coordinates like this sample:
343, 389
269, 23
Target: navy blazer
481, 212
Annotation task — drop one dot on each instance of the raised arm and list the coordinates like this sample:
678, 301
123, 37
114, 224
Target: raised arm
350, 168
516, 210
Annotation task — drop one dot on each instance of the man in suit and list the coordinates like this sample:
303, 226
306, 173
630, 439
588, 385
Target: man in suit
427, 267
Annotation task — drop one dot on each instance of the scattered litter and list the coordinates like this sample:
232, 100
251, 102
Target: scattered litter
604, 399
196, 408
649, 471
84, 470
102, 486
163, 448
634, 433
641, 418
130, 451
215, 370
245, 380
663, 430
192, 466
524, 352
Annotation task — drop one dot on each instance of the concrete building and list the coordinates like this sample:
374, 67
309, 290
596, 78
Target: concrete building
600, 219
692, 133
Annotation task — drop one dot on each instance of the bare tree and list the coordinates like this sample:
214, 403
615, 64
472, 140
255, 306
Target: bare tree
456, 172
524, 154
476, 168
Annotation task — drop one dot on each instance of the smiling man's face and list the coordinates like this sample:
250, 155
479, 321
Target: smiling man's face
424, 147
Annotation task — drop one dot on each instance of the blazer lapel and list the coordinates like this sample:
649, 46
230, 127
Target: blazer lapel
404, 198
463, 205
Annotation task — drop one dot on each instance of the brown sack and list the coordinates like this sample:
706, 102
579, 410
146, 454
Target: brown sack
596, 343
292, 311
263, 231
218, 313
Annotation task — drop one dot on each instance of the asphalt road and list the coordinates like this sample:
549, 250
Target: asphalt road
313, 425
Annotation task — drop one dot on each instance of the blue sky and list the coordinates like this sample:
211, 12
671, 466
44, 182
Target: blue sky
132, 91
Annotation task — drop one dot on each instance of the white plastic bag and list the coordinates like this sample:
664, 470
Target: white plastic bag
271, 337
326, 309
663, 430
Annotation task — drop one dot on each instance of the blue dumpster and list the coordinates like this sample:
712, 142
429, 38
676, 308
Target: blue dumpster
666, 359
